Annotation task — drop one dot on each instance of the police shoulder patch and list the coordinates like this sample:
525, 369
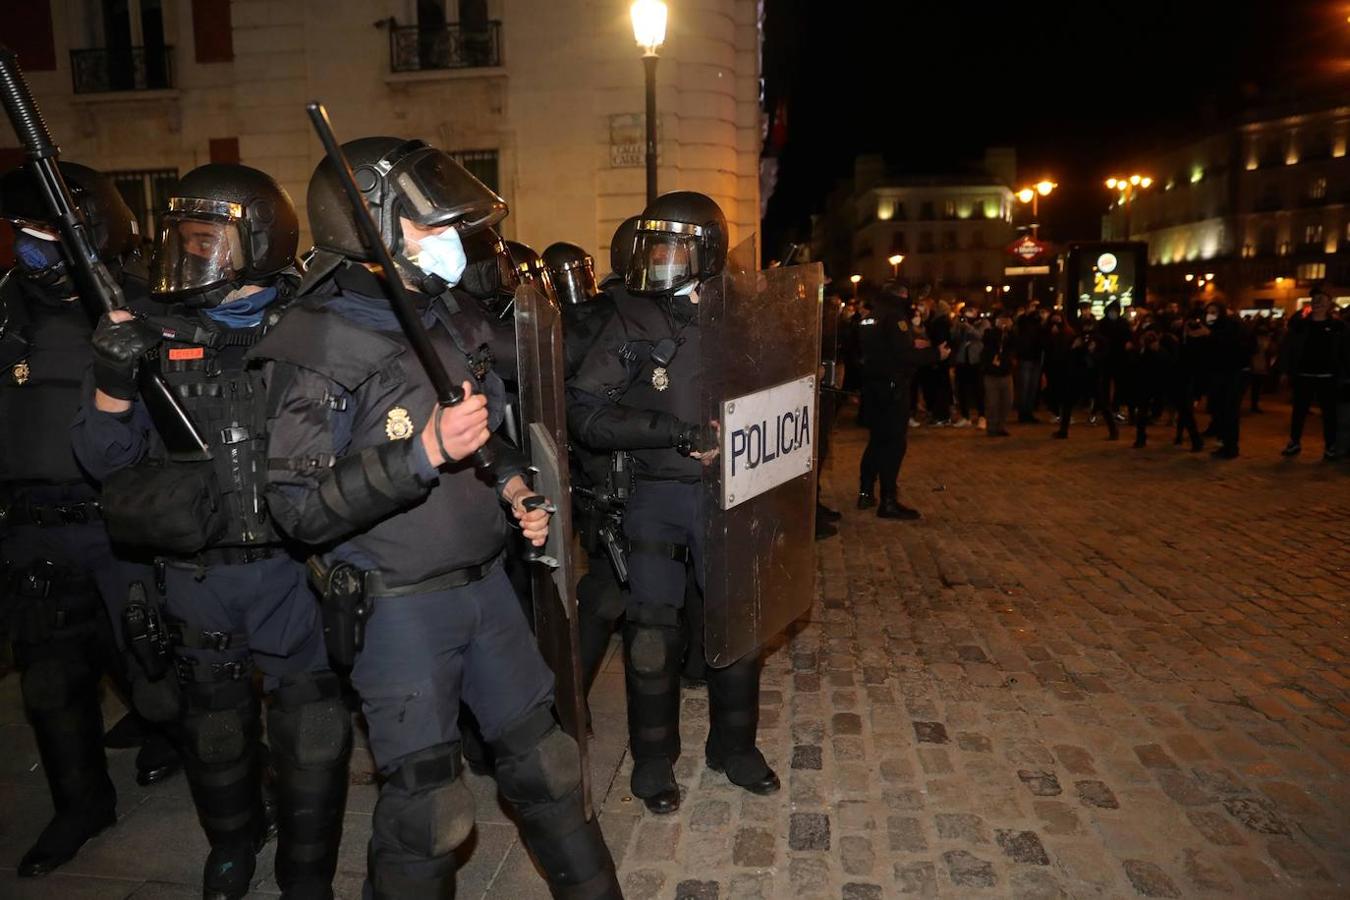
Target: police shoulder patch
398, 425
904, 326
21, 372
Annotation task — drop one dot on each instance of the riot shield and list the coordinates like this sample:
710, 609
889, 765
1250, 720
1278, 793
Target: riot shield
553, 580
760, 343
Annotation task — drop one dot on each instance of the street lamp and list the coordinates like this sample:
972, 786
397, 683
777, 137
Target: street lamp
1033, 195
855, 279
649, 30
1126, 189
895, 260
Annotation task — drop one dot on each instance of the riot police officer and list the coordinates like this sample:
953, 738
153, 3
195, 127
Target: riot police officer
61, 587
374, 473
600, 481
891, 354
638, 390
234, 598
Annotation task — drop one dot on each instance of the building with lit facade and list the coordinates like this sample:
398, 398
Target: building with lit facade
1254, 215
951, 229
542, 99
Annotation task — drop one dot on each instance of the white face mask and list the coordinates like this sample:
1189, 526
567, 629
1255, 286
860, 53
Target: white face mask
442, 255
917, 320
1211, 318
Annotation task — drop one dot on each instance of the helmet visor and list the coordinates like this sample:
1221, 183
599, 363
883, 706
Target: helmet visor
196, 250
662, 262
436, 190
576, 283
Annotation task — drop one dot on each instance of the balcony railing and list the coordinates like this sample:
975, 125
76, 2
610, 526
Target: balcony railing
104, 69
416, 49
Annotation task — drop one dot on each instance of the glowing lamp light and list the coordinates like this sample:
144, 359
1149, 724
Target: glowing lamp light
1209, 276
649, 24
1025, 195
855, 278
1190, 277
1135, 179
896, 260
1006, 288
1045, 187
1111, 183
1279, 281
1145, 181
988, 288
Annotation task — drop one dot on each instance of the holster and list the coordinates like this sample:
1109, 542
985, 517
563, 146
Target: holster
344, 607
146, 637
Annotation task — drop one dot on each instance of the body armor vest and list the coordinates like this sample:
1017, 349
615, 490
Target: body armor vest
40, 387
205, 365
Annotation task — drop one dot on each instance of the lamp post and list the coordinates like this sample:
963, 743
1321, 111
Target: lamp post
1127, 189
855, 279
895, 261
1033, 195
649, 30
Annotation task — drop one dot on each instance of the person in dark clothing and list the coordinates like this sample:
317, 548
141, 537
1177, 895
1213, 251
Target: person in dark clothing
967, 337
373, 474
1086, 357
1113, 336
1060, 378
937, 385
62, 587
996, 365
1029, 351
1226, 354
224, 266
1313, 355
891, 354
1154, 362
1182, 380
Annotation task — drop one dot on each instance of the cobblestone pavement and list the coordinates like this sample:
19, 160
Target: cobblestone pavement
1088, 672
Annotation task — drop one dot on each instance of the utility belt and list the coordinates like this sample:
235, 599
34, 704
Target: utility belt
51, 515
347, 593
43, 597
227, 556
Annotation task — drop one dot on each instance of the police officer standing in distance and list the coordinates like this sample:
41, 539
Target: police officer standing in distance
638, 390
370, 471
891, 354
61, 587
234, 598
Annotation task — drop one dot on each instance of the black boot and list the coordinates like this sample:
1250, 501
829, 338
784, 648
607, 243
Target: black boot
733, 717
891, 508
311, 736
68, 726
825, 514
866, 500
651, 674
157, 759
539, 773
222, 759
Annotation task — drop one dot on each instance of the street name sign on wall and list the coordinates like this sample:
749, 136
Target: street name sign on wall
628, 140
767, 439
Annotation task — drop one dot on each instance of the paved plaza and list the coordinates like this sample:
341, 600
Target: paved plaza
1090, 671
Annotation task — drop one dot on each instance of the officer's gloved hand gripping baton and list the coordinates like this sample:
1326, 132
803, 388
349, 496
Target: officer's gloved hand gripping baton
447, 392
96, 286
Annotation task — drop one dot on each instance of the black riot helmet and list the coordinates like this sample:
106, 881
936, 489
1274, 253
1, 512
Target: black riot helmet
530, 267
111, 224
227, 225
573, 272
621, 246
491, 276
398, 178
681, 240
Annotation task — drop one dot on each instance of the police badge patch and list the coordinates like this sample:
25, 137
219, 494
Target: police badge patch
660, 380
904, 326
21, 372
398, 426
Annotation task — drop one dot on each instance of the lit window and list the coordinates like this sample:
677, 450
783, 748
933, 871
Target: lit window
1312, 271
1284, 248
1317, 189
1312, 234
949, 209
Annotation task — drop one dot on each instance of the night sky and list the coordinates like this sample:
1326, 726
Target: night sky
1082, 89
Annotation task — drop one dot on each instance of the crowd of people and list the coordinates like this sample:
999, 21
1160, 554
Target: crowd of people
922, 362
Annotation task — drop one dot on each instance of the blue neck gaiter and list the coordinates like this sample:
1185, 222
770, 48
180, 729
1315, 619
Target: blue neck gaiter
246, 312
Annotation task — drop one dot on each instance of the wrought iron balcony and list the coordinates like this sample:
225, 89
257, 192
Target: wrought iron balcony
413, 48
104, 69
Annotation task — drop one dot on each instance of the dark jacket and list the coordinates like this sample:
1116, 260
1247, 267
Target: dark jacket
996, 358
1314, 348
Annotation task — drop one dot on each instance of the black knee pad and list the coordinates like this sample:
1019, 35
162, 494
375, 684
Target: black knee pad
308, 722
424, 807
157, 701
221, 722
537, 762
652, 649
